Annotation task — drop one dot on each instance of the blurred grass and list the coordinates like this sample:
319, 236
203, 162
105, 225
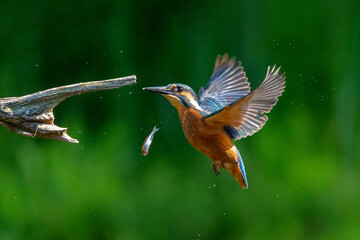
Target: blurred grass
303, 168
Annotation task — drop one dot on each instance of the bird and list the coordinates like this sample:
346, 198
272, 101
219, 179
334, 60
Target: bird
224, 111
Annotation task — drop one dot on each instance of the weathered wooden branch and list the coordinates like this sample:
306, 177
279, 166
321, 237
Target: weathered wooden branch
32, 115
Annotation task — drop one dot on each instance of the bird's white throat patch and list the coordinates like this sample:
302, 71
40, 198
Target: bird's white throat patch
196, 105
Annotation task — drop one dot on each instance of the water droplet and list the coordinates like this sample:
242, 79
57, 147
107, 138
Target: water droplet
224, 214
277, 195
86, 62
214, 185
37, 65
129, 92
15, 197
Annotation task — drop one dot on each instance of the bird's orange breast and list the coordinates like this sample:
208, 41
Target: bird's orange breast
212, 141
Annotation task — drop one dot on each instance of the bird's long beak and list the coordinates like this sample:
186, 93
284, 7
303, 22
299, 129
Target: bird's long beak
161, 90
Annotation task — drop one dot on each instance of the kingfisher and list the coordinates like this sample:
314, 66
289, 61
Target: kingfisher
224, 111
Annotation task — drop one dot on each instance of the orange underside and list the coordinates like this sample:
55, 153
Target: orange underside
211, 140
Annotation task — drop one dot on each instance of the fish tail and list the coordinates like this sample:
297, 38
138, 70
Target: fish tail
155, 129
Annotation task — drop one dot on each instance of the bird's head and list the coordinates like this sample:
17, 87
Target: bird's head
179, 95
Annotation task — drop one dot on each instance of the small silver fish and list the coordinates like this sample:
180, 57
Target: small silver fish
148, 140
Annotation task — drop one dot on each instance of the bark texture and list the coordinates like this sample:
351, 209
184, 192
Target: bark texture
32, 115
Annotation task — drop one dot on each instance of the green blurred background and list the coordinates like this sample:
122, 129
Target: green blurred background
303, 166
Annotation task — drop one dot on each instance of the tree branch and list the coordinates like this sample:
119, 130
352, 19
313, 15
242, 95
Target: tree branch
32, 115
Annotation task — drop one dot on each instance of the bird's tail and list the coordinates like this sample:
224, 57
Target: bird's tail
238, 172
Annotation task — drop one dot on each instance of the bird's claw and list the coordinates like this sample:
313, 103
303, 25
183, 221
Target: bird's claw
216, 171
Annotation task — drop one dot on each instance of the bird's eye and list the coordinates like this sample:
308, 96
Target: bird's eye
180, 89
173, 88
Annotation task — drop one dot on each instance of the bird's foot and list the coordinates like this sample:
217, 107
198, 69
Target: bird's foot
216, 171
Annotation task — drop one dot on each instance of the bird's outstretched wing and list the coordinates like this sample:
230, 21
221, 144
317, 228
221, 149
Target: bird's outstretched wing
246, 116
227, 84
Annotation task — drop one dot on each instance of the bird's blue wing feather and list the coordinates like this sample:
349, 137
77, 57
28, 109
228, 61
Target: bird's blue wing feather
247, 115
227, 84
